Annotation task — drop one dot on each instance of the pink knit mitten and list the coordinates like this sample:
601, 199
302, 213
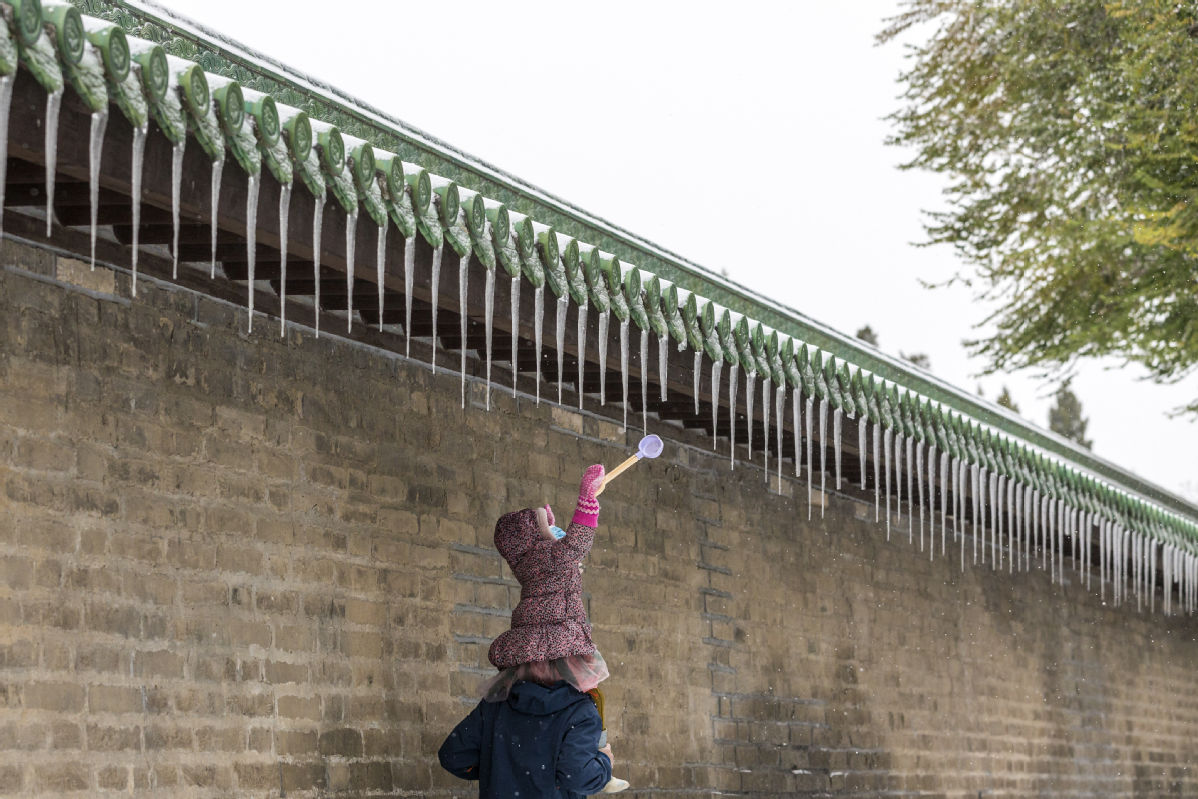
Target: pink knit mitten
549, 514
587, 511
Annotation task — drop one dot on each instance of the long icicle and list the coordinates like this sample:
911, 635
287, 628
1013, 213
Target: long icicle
218, 169
696, 368
516, 330
779, 401
53, 106
581, 335
732, 376
644, 353
911, 467
284, 212
138, 163
898, 480
317, 224
95, 150
887, 443
409, 281
918, 487
538, 327
795, 419
176, 187
717, 367
663, 354
253, 183
810, 438
751, 379
463, 318
435, 285
765, 426
351, 242
488, 320
380, 268
931, 503
862, 428
945, 474
563, 306
604, 317
823, 456
6, 82
837, 425
624, 371
874, 431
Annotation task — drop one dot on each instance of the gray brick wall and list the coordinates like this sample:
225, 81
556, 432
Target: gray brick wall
239, 565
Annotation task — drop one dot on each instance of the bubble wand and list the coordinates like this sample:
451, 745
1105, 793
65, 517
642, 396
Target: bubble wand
650, 447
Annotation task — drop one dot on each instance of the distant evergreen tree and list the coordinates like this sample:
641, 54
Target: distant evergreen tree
920, 359
1065, 417
868, 335
1006, 400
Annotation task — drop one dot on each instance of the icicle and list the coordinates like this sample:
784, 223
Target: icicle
931, 496
95, 149
958, 504
810, 438
624, 370
751, 380
604, 316
351, 240
717, 366
317, 225
887, 442
765, 426
488, 320
837, 425
862, 427
1007, 490
463, 285
663, 354
994, 517
944, 473
538, 325
898, 483
911, 468
218, 168
139, 158
581, 336
5, 104
918, 487
779, 400
436, 292
874, 431
947, 471
380, 270
644, 380
516, 329
823, 456
798, 435
582, 349
53, 105
251, 240
409, 280
698, 363
176, 187
732, 376
284, 211
563, 305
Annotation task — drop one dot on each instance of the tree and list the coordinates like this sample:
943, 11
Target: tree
1069, 133
868, 335
1006, 400
1065, 416
920, 359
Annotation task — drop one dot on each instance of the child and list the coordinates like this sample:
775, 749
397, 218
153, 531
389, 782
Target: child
547, 663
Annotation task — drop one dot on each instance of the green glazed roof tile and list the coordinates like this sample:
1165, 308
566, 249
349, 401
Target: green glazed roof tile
193, 90
448, 205
474, 209
806, 373
613, 276
41, 59
672, 313
773, 350
525, 237
549, 251
228, 104
757, 339
634, 293
744, 344
576, 281
723, 328
653, 303
596, 282
704, 311
8, 50
26, 20
786, 351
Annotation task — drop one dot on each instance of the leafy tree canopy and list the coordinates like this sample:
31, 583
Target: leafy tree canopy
1069, 132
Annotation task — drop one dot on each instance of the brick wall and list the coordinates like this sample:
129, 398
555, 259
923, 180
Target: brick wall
252, 566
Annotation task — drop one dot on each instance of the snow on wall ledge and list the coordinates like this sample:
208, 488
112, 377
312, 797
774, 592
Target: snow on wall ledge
1029, 495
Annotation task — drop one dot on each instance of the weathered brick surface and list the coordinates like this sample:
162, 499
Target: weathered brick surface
239, 565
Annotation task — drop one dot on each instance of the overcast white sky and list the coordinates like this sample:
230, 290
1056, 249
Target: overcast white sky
689, 124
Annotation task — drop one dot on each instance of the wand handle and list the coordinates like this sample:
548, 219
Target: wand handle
614, 473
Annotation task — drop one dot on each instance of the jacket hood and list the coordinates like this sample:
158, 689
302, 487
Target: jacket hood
515, 534
533, 699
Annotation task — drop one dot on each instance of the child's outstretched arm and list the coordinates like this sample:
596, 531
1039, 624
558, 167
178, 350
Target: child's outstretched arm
581, 533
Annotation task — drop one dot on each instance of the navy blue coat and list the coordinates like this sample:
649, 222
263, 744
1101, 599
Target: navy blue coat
540, 743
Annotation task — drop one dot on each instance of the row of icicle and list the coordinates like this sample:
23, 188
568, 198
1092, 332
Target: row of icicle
1012, 522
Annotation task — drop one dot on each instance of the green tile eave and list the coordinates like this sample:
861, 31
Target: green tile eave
220, 56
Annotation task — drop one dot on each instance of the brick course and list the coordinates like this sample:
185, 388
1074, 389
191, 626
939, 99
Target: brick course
237, 565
